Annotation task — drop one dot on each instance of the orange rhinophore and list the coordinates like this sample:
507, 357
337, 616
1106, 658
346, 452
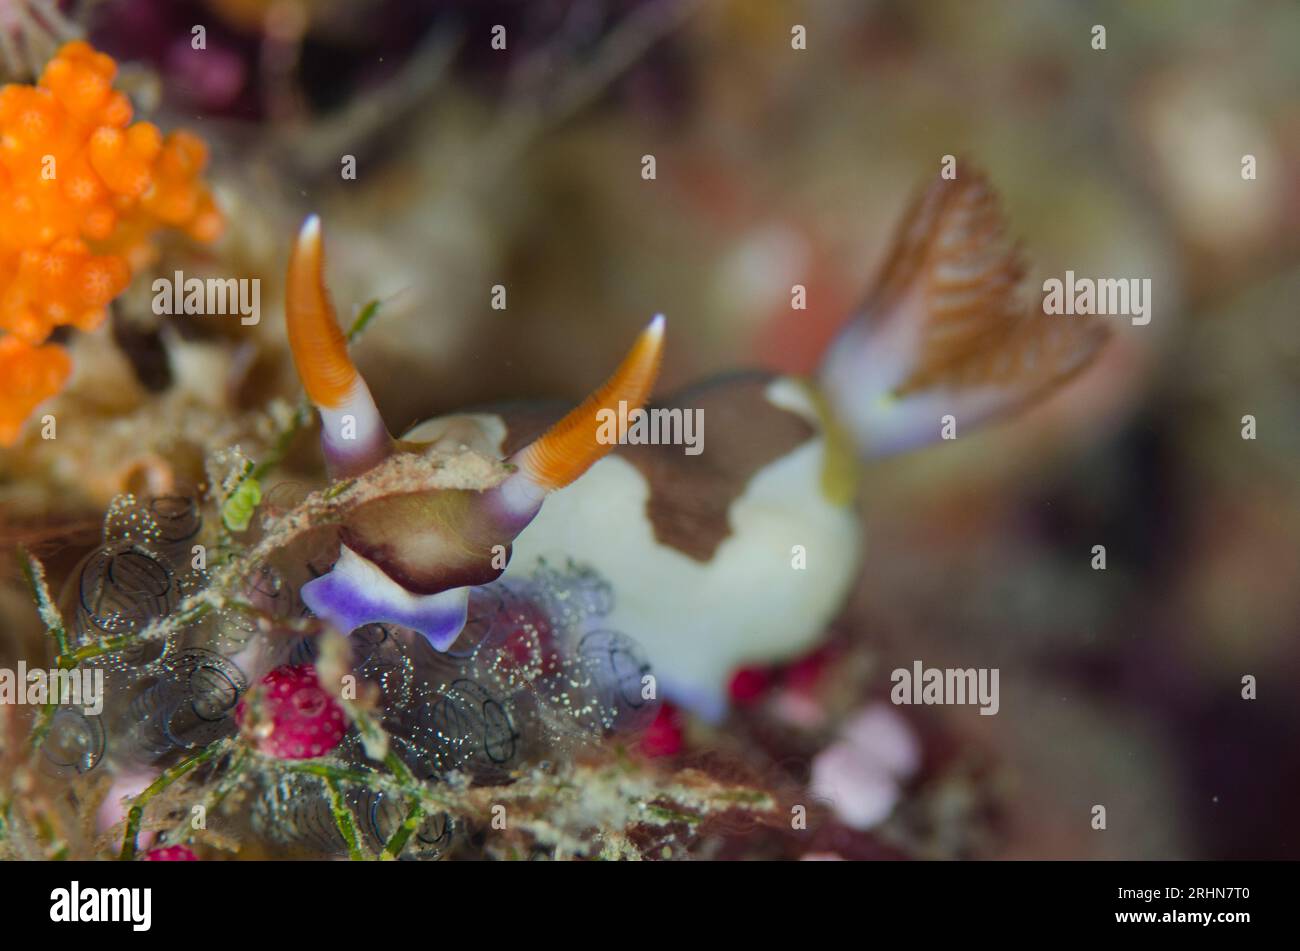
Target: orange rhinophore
572, 446
320, 350
82, 192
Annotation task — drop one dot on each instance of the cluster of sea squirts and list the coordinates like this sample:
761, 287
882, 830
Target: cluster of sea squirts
534, 675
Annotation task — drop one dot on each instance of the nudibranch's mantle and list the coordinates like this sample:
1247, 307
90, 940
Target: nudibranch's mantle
405, 473
431, 471
428, 470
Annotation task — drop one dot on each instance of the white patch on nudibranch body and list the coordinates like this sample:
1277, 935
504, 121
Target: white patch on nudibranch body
700, 621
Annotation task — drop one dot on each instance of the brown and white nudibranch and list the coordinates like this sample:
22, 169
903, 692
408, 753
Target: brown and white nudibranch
738, 555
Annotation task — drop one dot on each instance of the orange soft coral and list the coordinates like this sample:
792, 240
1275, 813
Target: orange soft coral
28, 376
82, 192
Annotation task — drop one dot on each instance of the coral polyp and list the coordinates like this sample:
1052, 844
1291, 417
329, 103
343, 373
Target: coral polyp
29, 375
83, 191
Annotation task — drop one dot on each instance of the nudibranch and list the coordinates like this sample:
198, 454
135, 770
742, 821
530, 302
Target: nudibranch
82, 191
740, 554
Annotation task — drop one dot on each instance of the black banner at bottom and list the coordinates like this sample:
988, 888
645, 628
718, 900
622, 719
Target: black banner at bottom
338, 901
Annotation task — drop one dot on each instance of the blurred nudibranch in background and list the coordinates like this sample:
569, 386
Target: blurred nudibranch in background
83, 191
700, 550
